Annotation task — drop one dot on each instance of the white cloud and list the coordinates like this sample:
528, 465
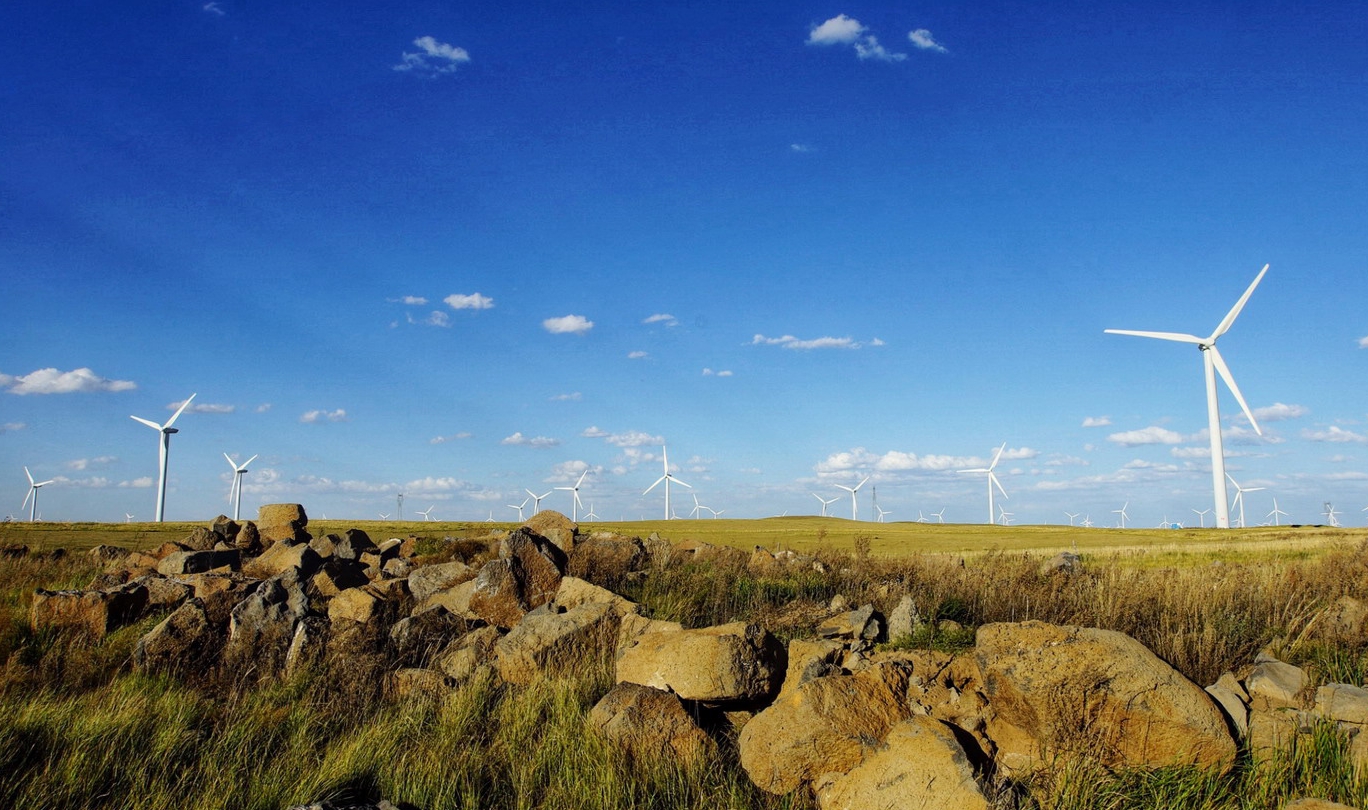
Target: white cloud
530, 441
52, 381
1190, 452
668, 320
1150, 435
203, 407
1363, 342
1340, 458
632, 438
1335, 434
471, 301
435, 57
593, 433
1060, 460
411, 300
800, 148
452, 438
637, 355
791, 342
317, 416
895, 461
568, 325
839, 30
263, 407
573, 396
922, 39
1277, 412
707, 372
137, 483
438, 318
214, 8
81, 464
869, 48
1096, 421
10, 427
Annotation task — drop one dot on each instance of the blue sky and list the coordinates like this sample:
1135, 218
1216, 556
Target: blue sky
461, 250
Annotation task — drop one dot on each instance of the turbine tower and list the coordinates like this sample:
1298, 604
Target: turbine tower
235, 491
166, 430
427, 514
537, 499
33, 493
1275, 513
667, 478
825, 502
854, 505
1212, 365
1122, 513
574, 507
992, 481
1201, 516
519, 507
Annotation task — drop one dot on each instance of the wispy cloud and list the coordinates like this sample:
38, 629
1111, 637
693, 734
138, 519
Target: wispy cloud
263, 407
843, 30
637, 355
10, 427
319, 416
1096, 421
1150, 435
1336, 435
214, 9
860, 460
52, 381
137, 483
1363, 342
81, 464
800, 148
452, 438
632, 438
411, 300
791, 342
573, 396
707, 372
530, 441
1276, 412
660, 317
471, 301
922, 39
593, 432
568, 325
433, 57
202, 407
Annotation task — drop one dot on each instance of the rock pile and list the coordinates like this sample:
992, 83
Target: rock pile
856, 724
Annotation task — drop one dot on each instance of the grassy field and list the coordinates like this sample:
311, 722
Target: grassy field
808, 534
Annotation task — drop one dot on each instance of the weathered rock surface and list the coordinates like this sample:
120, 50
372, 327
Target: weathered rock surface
918, 766
607, 558
284, 555
823, 726
556, 527
426, 580
1096, 693
95, 612
198, 562
463, 657
651, 725
904, 620
864, 623
541, 565
186, 640
1275, 685
546, 642
282, 521
497, 596
736, 662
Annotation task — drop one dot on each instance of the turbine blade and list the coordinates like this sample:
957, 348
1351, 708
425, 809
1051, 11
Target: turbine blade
1239, 305
998, 484
26, 497
250, 460
975, 470
1224, 371
231, 463
581, 479
178, 412
998, 456
862, 483
29, 474
43, 483
147, 422
1177, 336
653, 486
681, 483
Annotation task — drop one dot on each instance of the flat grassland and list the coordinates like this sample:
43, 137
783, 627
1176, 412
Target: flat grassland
1138, 547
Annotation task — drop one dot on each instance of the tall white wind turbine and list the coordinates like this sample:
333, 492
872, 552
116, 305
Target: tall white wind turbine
519, 507
854, 505
235, 491
667, 478
34, 486
1212, 365
427, 514
825, 502
1201, 516
1239, 496
536, 499
1122, 513
575, 506
1277, 521
992, 481
166, 430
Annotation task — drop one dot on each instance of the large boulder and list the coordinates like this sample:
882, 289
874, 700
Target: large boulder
608, 558
547, 642
497, 596
465, 656
418, 638
95, 612
284, 555
541, 564
262, 625
651, 726
426, 580
1101, 694
187, 640
823, 726
555, 527
353, 544
919, 766
282, 521
198, 562
729, 663
574, 592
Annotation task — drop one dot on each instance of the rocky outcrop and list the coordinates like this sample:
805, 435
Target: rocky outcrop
919, 765
555, 527
94, 612
730, 663
1096, 693
282, 521
546, 642
651, 725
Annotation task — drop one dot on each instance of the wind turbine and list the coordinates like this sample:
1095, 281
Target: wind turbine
235, 491
590, 514
519, 507
427, 514
992, 481
1212, 365
697, 507
33, 493
1275, 513
939, 516
667, 478
166, 430
1087, 522
882, 512
1071, 516
854, 505
921, 518
1330, 515
574, 507
1122, 513
537, 499
1004, 516
825, 502
128, 518
1239, 496
384, 515
1201, 516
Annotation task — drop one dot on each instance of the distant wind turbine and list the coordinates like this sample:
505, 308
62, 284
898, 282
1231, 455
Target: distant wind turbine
384, 515
939, 516
519, 507
698, 507
235, 491
1087, 522
992, 481
590, 514
574, 507
668, 479
1331, 515
427, 514
1275, 513
166, 430
1213, 365
128, 518
1201, 516
1239, 496
1071, 516
882, 512
854, 505
921, 518
34, 486
825, 502
537, 499
1122, 513
1004, 517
